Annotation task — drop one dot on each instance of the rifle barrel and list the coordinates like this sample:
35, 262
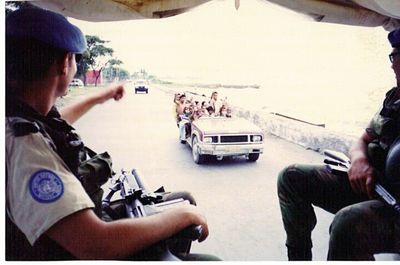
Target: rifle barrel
138, 180
385, 194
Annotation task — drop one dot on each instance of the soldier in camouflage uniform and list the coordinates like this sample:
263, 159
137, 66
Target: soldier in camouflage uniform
363, 225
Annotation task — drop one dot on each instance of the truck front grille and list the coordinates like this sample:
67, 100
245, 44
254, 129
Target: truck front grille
234, 139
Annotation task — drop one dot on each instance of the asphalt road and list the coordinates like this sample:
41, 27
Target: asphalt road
239, 198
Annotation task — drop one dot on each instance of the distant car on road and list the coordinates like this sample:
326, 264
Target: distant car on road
76, 82
141, 86
220, 137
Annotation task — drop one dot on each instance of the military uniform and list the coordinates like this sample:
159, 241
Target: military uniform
39, 183
39, 186
40, 189
45, 184
361, 227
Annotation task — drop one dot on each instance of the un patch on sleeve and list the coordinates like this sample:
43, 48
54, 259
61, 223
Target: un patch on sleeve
45, 186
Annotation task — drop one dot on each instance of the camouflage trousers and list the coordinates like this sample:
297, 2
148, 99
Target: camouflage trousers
361, 227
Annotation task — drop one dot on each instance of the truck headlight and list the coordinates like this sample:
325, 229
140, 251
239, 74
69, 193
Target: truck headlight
207, 140
256, 138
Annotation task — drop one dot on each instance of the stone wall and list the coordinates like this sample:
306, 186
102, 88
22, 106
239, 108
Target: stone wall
311, 137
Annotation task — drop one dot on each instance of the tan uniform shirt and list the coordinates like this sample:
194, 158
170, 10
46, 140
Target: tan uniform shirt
40, 189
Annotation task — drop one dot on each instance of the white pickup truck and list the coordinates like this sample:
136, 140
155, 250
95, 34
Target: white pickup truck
220, 137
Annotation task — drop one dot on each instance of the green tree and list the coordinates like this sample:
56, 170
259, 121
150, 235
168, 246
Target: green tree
96, 57
108, 74
112, 73
114, 65
123, 74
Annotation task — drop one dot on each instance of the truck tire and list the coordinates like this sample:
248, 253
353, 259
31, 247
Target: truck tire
197, 157
253, 157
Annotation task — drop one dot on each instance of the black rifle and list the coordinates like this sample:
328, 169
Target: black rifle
338, 163
137, 203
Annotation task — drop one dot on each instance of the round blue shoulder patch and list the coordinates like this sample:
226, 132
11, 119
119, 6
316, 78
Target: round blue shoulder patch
45, 186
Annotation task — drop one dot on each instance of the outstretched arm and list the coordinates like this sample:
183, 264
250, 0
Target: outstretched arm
76, 110
109, 240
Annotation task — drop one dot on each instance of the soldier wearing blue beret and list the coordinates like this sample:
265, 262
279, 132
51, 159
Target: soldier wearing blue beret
50, 214
363, 225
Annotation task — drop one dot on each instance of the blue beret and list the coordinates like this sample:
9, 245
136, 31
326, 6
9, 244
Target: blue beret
45, 26
394, 38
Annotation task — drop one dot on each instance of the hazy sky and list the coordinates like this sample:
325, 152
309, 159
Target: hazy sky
259, 43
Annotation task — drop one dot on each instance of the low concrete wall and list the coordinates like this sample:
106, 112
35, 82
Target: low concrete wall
311, 137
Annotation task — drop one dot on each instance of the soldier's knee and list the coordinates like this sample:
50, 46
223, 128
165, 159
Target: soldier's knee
345, 226
284, 176
289, 176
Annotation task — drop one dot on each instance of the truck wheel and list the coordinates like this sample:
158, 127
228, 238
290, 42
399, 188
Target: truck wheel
253, 157
197, 157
